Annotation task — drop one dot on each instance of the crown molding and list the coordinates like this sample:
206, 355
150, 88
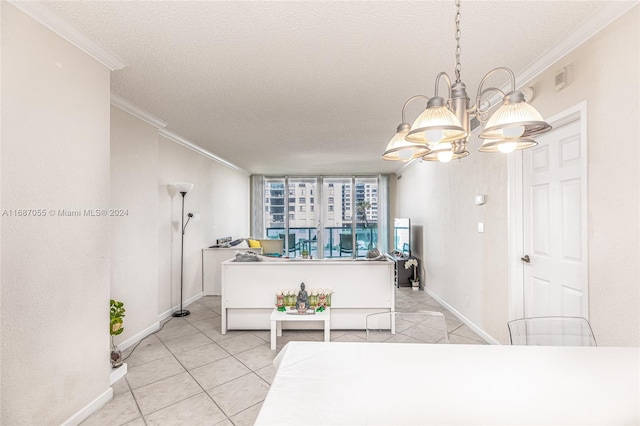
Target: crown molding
593, 26
192, 146
607, 15
160, 124
48, 18
138, 112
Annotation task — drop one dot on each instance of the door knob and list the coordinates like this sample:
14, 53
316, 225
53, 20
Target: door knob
526, 258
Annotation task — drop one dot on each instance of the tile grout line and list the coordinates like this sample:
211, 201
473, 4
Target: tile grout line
196, 381
185, 370
135, 400
248, 408
127, 380
228, 417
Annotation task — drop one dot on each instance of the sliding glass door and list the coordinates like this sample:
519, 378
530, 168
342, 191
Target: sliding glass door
337, 217
322, 217
366, 214
303, 217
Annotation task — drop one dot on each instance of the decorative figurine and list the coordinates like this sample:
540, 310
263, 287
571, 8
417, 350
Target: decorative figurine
303, 300
280, 302
322, 302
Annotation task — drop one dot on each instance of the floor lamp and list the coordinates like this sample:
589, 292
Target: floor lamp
182, 188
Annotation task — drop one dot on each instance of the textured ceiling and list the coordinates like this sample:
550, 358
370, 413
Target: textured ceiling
308, 87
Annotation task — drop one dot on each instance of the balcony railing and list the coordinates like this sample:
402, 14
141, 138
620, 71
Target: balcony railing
307, 239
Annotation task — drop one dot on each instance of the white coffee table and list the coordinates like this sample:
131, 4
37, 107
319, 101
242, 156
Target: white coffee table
278, 317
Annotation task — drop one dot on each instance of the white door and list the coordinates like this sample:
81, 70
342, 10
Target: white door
555, 219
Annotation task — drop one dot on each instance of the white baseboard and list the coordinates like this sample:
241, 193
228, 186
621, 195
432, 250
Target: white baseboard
139, 336
187, 302
117, 373
89, 409
480, 332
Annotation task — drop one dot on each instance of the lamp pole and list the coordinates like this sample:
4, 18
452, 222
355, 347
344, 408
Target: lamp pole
182, 312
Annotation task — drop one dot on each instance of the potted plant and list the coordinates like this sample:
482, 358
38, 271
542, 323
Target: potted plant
117, 313
305, 254
415, 281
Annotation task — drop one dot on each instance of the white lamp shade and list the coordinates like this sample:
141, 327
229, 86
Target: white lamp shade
506, 145
183, 187
398, 149
514, 120
436, 124
441, 152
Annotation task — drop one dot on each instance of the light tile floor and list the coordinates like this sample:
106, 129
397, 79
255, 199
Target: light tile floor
191, 374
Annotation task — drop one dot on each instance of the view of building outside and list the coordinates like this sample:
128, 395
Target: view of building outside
274, 203
298, 205
336, 224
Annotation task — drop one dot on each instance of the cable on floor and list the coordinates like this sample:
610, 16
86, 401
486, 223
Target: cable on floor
140, 341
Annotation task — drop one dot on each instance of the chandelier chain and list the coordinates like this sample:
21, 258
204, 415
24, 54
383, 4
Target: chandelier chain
458, 65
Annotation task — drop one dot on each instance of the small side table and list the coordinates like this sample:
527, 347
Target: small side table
277, 317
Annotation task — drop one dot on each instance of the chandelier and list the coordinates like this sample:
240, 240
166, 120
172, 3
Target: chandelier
442, 131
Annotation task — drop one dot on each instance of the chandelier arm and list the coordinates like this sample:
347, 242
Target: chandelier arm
477, 108
447, 78
493, 71
413, 98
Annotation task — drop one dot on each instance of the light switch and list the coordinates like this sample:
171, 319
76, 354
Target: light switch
479, 200
480, 227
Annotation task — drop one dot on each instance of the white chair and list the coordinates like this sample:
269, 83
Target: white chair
407, 327
551, 331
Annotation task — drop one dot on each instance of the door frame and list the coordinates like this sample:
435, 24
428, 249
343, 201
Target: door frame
515, 248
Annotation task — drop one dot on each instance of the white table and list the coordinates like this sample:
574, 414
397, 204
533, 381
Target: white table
278, 317
334, 383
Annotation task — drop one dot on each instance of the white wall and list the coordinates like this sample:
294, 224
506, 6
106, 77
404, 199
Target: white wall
461, 262
134, 237
220, 195
55, 155
145, 251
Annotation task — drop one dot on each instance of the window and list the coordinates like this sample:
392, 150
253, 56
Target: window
347, 205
